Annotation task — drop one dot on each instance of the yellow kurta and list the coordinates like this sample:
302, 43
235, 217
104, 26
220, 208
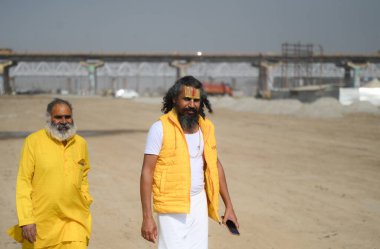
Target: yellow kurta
52, 190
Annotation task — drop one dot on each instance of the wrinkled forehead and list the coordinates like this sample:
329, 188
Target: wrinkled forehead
191, 92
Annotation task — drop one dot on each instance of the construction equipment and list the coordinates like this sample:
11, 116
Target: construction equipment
217, 88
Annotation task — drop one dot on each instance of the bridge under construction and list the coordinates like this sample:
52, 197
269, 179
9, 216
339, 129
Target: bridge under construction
297, 65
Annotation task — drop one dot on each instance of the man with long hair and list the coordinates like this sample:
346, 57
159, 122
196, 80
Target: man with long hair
52, 193
182, 169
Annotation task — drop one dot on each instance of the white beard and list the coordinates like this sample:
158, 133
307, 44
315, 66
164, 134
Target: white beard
61, 135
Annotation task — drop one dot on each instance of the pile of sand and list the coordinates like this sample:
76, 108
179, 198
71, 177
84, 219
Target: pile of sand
362, 107
326, 107
322, 108
258, 106
375, 83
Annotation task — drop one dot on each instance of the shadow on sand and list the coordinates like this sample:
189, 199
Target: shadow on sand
85, 133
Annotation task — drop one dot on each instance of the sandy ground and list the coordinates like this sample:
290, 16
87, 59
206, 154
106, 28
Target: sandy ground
296, 181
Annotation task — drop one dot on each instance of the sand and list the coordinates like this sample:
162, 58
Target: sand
300, 175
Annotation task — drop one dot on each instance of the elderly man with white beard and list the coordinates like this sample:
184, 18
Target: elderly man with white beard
52, 192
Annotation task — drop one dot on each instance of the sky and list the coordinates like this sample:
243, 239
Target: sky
177, 26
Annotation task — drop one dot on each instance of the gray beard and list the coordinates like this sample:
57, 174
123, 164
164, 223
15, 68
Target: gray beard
65, 135
188, 122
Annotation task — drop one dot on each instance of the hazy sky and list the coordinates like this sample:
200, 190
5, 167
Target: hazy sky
214, 26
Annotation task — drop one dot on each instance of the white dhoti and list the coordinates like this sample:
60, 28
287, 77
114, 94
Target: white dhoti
185, 231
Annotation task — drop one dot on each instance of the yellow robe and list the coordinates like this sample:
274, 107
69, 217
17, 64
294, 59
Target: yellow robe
52, 190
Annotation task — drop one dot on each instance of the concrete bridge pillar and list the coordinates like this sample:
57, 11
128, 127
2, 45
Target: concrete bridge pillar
265, 83
352, 80
357, 68
4, 72
91, 66
181, 67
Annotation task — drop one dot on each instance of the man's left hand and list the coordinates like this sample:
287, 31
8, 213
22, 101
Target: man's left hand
229, 214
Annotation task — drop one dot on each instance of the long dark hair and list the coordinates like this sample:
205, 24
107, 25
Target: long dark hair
175, 91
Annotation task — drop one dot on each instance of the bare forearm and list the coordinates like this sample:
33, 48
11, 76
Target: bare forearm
146, 193
146, 181
148, 226
229, 213
223, 188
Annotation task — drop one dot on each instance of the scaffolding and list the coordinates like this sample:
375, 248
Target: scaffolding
298, 68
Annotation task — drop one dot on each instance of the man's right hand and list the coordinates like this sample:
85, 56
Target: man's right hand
29, 232
149, 229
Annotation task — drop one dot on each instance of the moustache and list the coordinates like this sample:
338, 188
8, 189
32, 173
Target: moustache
187, 109
63, 126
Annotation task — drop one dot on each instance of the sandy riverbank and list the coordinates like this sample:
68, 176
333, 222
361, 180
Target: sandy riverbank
300, 176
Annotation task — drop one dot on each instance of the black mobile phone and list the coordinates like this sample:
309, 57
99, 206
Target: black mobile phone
232, 227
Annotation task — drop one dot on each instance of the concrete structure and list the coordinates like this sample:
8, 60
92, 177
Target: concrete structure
352, 63
91, 66
4, 72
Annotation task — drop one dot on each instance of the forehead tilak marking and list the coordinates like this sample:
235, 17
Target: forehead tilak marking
192, 92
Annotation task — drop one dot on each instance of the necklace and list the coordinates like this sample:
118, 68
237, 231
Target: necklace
198, 147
